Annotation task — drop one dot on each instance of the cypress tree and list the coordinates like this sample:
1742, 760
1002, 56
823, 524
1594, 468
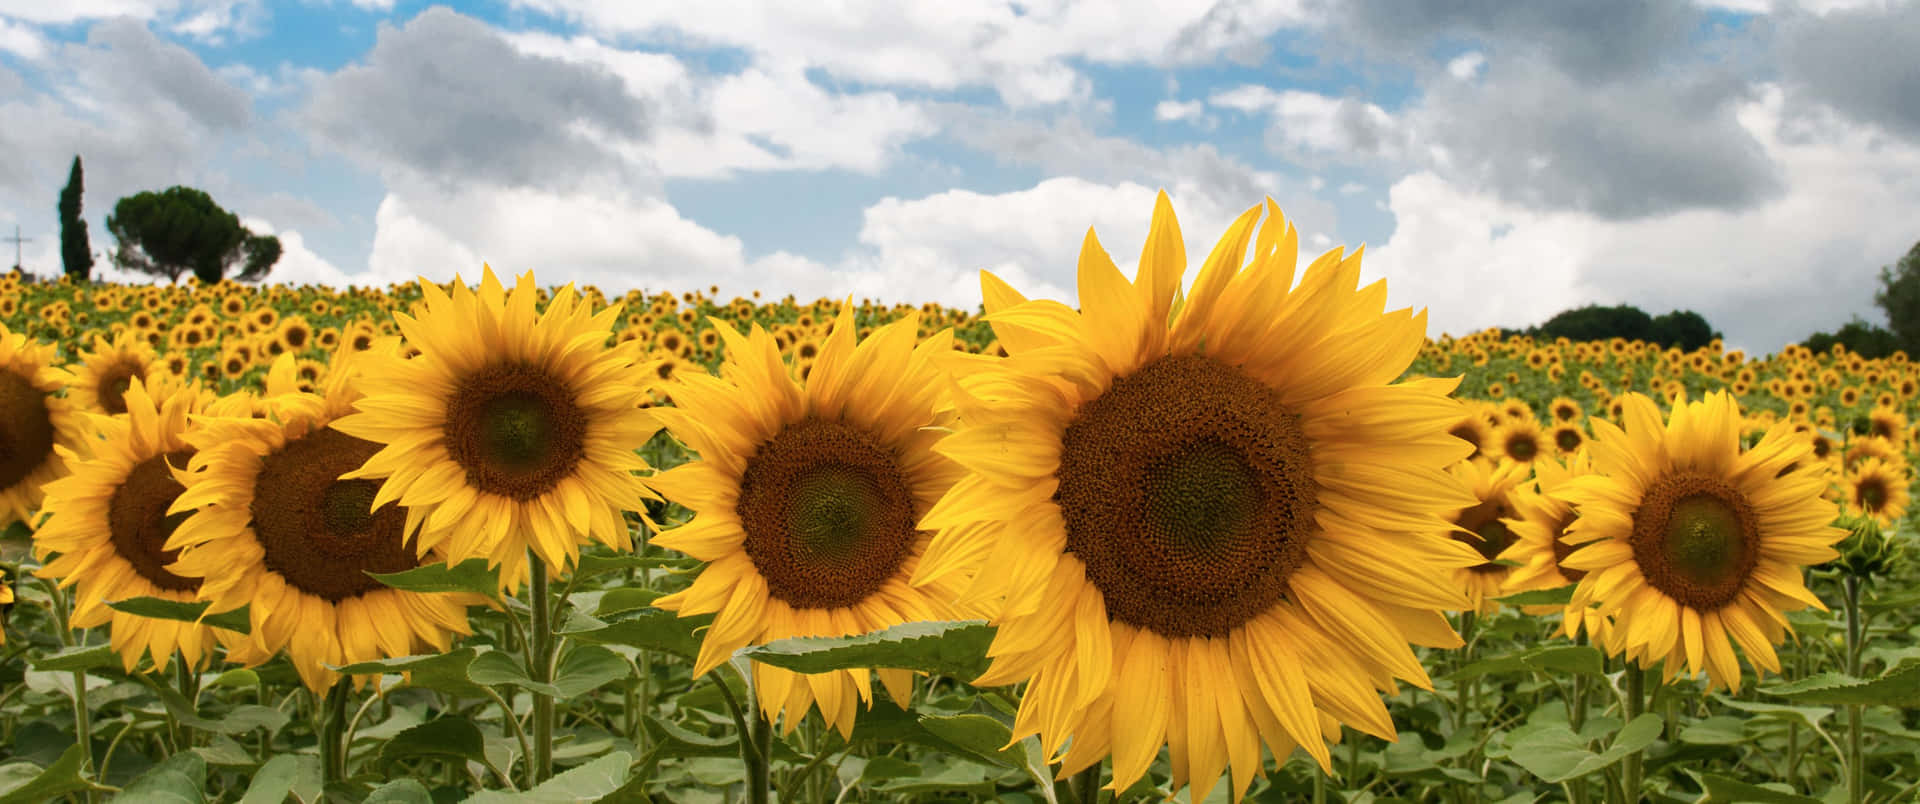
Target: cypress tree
76, 254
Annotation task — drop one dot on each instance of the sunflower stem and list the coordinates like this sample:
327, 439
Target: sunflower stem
1086, 784
333, 722
1632, 706
540, 668
82, 718
1856, 773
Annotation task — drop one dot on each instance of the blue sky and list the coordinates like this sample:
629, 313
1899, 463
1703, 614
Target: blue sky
1749, 159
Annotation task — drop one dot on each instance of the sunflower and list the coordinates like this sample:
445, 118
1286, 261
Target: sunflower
1483, 526
34, 423
1539, 527
107, 527
1472, 428
101, 377
1567, 438
512, 430
1876, 489
1206, 526
1690, 540
806, 497
1565, 409
1518, 439
271, 526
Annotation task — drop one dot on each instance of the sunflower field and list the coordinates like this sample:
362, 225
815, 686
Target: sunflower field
1228, 534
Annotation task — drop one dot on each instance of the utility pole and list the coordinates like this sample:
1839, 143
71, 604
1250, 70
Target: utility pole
16, 240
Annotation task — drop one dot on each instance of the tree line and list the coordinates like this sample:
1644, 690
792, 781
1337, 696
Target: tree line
170, 233
1898, 297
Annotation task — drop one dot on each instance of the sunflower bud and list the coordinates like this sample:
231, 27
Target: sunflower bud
1867, 551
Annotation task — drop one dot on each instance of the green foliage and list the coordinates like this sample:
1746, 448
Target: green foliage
950, 648
1899, 298
182, 230
1684, 329
1858, 336
76, 253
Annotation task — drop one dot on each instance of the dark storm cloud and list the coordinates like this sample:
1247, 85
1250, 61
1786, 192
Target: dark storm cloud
1617, 109
1619, 150
135, 69
1591, 40
1067, 146
446, 97
1864, 63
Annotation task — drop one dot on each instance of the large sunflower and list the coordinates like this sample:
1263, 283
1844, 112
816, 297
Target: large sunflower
1690, 540
511, 430
101, 377
1206, 524
33, 424
108, 524
273, 527
806, 498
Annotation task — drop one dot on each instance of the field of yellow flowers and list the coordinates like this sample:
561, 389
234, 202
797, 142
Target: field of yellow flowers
1227, 532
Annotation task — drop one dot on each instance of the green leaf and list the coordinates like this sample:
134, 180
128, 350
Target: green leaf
588, 782
239, 677
1809, 716
592, 564
1721, 788
447, 737
471, 575
1716, 730
442, 672
179, 779
497, 668
653, 630
1898, 687
1555, 754
84, 658
399, 791
1558, 596
189, 611
585, 668
624, 599
273, 781
62, 777
957, 648
225, 752
1553, 660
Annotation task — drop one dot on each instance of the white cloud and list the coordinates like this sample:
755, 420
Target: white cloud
21, 40
298, 265
1177, 110
1766, 276
1352, 188
766, 117
1466, 65
1021, 50
1311, 124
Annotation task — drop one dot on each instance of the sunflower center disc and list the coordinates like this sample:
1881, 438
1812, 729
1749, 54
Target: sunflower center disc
1697, 539
114, 383
138, 523
26, 429
1561, 549
516, 431
1188, 491
1871, 494
1493, 535
316, 529
1567, 440
827, 514
1522, 448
